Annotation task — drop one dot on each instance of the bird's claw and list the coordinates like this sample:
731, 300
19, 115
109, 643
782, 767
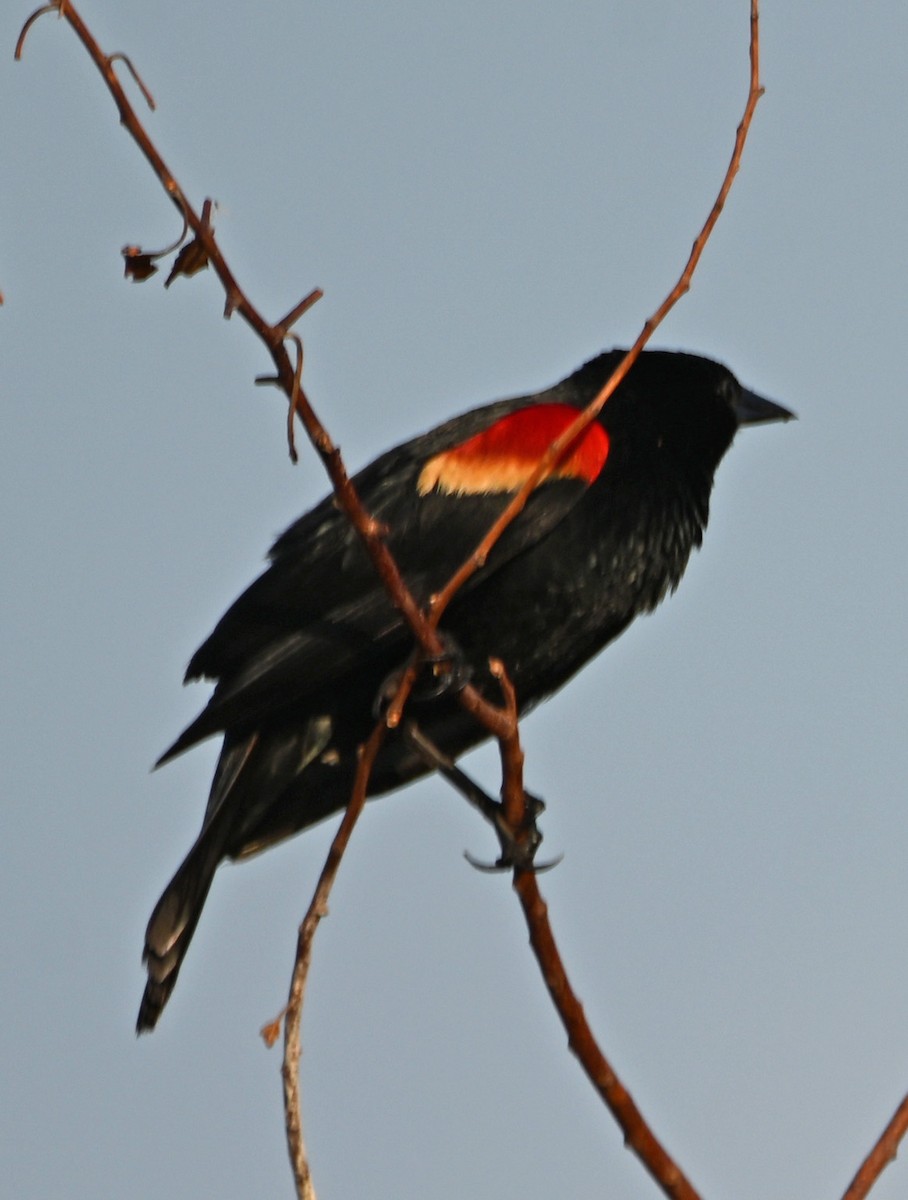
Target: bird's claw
518, 846
501, 864
443, 674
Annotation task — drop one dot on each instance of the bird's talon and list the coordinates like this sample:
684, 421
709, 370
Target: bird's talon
477, 864
441, 674
504, 864
518, 847
548, 865
447, 673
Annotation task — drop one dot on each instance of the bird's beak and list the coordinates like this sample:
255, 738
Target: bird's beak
751, 409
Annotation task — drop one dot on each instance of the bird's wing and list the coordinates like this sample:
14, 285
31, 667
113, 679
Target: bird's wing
319, 612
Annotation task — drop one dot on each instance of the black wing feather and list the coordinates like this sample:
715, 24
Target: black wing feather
319, 610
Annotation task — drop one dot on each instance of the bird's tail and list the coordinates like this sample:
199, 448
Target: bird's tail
177, 913
173, 923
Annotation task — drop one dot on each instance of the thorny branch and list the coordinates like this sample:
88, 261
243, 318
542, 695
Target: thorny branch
501, 721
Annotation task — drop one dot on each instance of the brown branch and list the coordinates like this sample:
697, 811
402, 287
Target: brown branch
512, 794
318, 908
273, 336
369, 530
564, 443
23, 33
297, 311
206, 250
512, 756
637, 1133
880, 1156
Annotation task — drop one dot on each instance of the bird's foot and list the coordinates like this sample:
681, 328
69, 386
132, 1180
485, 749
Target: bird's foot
518, 844
443, 674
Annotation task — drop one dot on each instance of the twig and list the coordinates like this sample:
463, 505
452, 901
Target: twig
637, 1133
370, 531
318, 908
880, 1156
274, 337
298, 309
23, 33
564, 443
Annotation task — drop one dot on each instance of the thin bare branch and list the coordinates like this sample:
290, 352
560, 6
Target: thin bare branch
637, 1133
287, 322
513, 796
563, 445
318, 908
296, 395
880, 1156
123, 58
273, 336
39, 12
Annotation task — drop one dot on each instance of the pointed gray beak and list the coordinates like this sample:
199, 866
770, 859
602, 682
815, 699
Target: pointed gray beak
751, 409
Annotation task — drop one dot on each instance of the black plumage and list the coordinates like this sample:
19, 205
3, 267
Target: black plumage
301, 656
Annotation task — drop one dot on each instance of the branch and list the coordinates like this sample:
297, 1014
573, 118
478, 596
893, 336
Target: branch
880, 1156
504, 726
637, 1133
275, 337
292, 1014
565, 442
204, 249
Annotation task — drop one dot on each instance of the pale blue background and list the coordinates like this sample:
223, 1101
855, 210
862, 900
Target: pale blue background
489, 193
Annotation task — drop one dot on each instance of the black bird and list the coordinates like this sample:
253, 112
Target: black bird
301, 656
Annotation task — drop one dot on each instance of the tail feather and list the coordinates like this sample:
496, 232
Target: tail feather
173, 923
248, 778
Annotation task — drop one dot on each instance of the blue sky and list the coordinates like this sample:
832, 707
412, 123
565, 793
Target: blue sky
488, 194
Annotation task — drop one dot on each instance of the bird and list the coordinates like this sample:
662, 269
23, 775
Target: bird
300, 658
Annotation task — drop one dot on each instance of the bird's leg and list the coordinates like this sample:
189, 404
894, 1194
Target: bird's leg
518, 846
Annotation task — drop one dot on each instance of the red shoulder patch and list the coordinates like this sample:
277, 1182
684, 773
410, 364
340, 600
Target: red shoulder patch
502, 457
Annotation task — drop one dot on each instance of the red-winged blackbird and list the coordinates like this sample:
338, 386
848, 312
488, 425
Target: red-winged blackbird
302, 655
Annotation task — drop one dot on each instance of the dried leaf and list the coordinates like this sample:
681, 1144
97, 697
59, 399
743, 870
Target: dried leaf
137, 265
